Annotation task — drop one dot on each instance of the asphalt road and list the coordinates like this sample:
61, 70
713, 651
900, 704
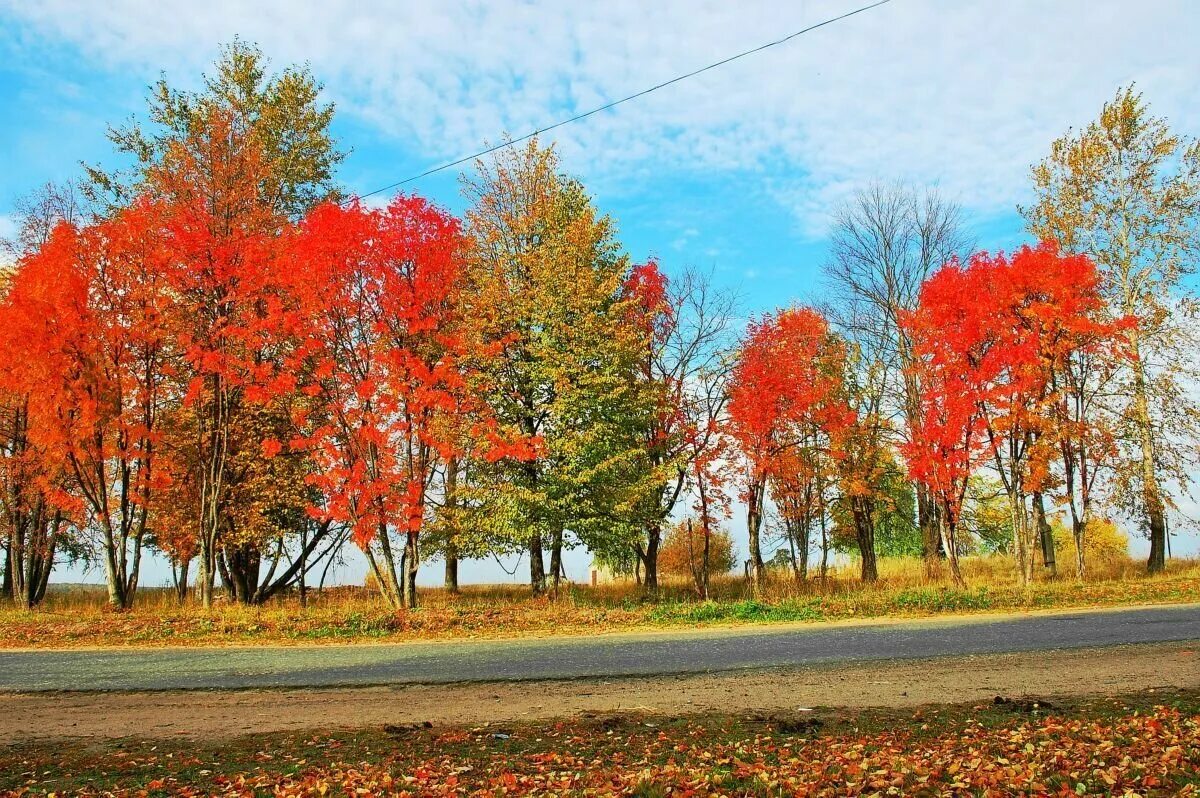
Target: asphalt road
591, 657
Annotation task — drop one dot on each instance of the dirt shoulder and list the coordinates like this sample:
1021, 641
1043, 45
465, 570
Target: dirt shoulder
219, 715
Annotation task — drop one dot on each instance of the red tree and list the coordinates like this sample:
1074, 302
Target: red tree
234, 317
30, 475
990, 335
785, 382
382, 291
90, 308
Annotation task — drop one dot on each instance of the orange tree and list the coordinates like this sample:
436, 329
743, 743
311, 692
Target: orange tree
691, 551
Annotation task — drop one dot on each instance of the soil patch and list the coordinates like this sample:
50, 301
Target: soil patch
1023, 682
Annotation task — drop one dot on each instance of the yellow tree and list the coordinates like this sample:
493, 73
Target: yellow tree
1125, 190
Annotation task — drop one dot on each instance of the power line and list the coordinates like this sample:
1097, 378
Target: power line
615, 103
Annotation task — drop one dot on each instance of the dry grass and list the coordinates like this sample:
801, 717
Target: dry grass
79, 618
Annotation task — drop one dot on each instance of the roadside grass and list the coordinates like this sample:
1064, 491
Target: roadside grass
79, 617
1145, 743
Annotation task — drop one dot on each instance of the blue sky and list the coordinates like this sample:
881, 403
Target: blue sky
736, 170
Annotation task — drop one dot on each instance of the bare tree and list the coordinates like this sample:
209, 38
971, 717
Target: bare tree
886, 240
39, 212
691, 361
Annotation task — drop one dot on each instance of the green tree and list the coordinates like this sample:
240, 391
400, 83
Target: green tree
546, 275
986, 517
896, 534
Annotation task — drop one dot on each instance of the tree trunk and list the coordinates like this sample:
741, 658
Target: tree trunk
650, 560
537, 566
451, 503
297, 571
205, 577
303, 586
1152, 498
112, 581
556, 564
754, 527
1079, 532
946, 531
39, 560
181, 578
931, 536
381, 580
451, 580
412, 562
226, 578
43, 578
394, 584
864, 530
790, 528
824, 536
240, 568
7, 583
385, 575
16, 554
1045, 533
1021, 538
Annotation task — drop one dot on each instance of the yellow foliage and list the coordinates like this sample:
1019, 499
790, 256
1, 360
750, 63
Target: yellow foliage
1102, 541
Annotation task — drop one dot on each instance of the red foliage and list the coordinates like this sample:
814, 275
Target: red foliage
784, 382
381, 290
989, 335
647, 286
89, 311
786, 388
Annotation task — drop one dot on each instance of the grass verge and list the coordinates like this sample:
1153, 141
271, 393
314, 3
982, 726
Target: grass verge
79, 618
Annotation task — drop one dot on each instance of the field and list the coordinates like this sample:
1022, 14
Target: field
1146, 744
79, 618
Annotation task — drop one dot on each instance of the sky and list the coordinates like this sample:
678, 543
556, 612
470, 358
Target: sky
737, 170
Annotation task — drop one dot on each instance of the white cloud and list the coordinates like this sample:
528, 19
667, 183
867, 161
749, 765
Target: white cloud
684, 238
967, 95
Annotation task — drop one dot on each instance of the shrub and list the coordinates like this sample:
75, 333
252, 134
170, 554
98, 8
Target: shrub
1102, 541
682, 552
